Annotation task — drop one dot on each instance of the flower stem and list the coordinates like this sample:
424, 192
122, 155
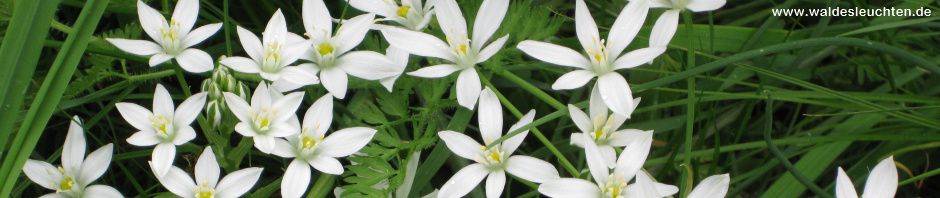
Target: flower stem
690, 110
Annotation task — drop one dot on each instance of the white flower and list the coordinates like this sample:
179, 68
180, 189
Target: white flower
410, 13
328, 53
270, 115
276, 49
72, 178
882, 182
459, 49
603, 57
313, 148
715, 186
207, 184
492, 163
612, 182
165, 127
173, 39
400, 58
667, 23
602, 129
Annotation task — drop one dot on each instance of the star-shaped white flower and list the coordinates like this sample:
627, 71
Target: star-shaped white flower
463, 53
612, 182
173, 39
313, 148
882, 182
492, 163
270, 115
276, 50
165, 126
329, 52
603, 128
207, 184
411, 14
72, 178
715, 186
603, 57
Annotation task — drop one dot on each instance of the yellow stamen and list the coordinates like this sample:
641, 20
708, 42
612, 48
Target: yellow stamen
403, 11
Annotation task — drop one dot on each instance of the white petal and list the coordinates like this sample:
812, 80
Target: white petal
608, 154
597, 108
389, 82
462, 145
715, 186
463, 181
135, 115
468, 88
595, 160
319, 116
200, 34
666, 189
346, 142
195, 61
435, 71
185, 14
189, 109
491, 49
399, 56
644, 187
531, 169
489, 16
73, 152
264, 143
580, 119
638, 57
554, 54
238, 106
317, 20
626, 27
374, 6
150, 20
844, 186
163, 156
335, 81
495, 183
293, 51
368, 65
138, 47
410, 170
184, 134
490, 116
207, 168
585, 27
178, 182
659, 3
241, 64
159, 58
705, 5
53, 195
616, 93
96, 164
510, 145
633, 156
303, 74
570, 188
283, 148
352, 31
144, 138
883, 180
577, 140
326, 165
163, 102
276, 29
450, 18
245, 129
626, 136
287, 106
250, 43
418, 43
261, 97
665, 28
101, 191
296, 179
237, 183
573, 80
39, 172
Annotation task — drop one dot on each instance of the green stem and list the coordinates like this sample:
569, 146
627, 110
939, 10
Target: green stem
768, 126
690, 107
322, 187
524, 84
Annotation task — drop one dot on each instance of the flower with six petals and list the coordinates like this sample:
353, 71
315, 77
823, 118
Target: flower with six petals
207, 183
269, 116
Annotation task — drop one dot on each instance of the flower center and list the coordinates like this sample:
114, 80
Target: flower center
204, 191
491, 157
598, 55
403, 11
272, 57
66, 184
603, 130
614, 186
263, 119
163, 125
308, 142
170, 40
325, 49
465, 57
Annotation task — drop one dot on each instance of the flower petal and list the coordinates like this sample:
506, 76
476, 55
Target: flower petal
374, 6
352, 32
138, 47
418, 43
595, 160
195, 60
626, 27
245, 129
303, 74
184, 134
570, 188
135, 115
633, 156
705, 5
554, 54
597, 108
283, 148
73, 152
264, 143
250, 43
207, 168
531, 169
185, 14
435, 71
608, 154
577, 140
464, 180
580, 119
715, 186
276, 29
237, 183
489, 17
241, 64
644, 187
96, 164
883, 180
144, 138
346, 142
616, 93
410, 170
335, 81
462, 145
389, 82
296, 179
162, 102
495, 183
163, 156
368, 65
189, 109
844, 186
178, 182
41, 172
151, 21
638, 57
491, 49
665, 28
510, 145
573, 80
238, 105
200, 34
326, 164
451, 19
287, 106
317, 20
319, 116
490, 116
53, 195
159, 58
585, 27
101, 191
626, 136
468, 88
